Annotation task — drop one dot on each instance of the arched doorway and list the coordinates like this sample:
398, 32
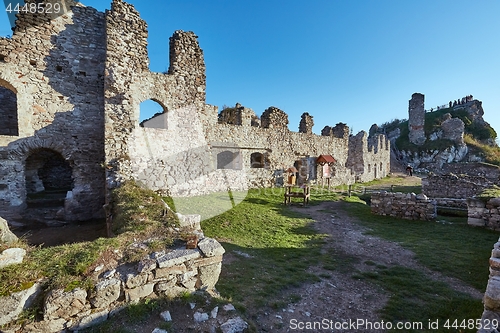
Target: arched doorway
48, 175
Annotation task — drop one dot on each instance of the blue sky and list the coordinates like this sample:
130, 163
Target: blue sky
356, 62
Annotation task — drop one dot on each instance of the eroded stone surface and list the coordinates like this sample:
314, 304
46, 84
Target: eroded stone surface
12, 256
210, 247
13, 305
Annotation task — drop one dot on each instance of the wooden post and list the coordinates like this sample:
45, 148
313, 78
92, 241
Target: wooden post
350, 190
392, 188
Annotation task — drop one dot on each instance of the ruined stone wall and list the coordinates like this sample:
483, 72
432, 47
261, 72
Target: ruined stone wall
488, 171
403, 205
416, 119
454, 186
369, 159
484, 214
306, 123
55, 68
168, 273
181, 92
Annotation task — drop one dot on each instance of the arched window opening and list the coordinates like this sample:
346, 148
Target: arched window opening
369, 168
48, 173
8, 112
229, 160
380, 166
152, 114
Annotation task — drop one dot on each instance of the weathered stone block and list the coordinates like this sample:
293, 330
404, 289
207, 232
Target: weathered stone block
12, 256
13, 305
208, 276
135, 294
61, 304
106, 292
177, 257
210, 247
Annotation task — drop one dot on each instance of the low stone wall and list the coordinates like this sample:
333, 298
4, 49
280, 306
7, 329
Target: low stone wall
169, 273
454, 186
491, 299
403, 205
484, 214
451, 202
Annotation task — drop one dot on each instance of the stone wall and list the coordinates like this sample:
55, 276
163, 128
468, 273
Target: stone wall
78, 95
454, 186
403, 205
484, 214
369, 158
416, 119
55, 68
491, 299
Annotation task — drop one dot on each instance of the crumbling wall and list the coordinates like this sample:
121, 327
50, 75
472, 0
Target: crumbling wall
403, 205
369, 159
306, 123
491, 299
55, 68
454, 186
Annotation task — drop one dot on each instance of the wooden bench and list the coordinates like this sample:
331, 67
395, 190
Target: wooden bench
304, 193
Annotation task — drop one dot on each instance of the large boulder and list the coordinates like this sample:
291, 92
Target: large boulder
6, 236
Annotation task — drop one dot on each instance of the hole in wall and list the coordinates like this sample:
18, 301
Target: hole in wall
2, 57
59, 68
152, 114
33, 62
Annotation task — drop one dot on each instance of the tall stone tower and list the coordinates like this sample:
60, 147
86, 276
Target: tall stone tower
416, 119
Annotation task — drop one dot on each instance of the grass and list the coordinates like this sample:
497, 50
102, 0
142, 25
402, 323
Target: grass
417, 298
491, 154
139, 216
272, 246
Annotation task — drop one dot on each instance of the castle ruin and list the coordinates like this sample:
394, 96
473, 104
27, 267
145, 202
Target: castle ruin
70, 90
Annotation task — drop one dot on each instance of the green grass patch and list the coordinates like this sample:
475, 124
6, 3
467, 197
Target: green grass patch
451, 247
272, 247
491, 154
417, 298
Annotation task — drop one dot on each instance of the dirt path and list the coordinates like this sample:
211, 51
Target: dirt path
343, 297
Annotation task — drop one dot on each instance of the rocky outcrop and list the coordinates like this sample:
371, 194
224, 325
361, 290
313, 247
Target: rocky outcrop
6, 236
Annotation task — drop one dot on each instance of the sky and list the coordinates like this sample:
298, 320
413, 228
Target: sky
351, 61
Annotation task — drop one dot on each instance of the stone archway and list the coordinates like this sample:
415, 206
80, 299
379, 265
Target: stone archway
47, 172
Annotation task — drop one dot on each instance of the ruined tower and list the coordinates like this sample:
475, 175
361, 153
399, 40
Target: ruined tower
306, 123
416, 119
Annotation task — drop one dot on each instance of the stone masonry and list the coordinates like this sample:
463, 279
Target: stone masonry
484, 214
77, 81
491, 299
403, 205
454, 186
416, 119
168, 273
